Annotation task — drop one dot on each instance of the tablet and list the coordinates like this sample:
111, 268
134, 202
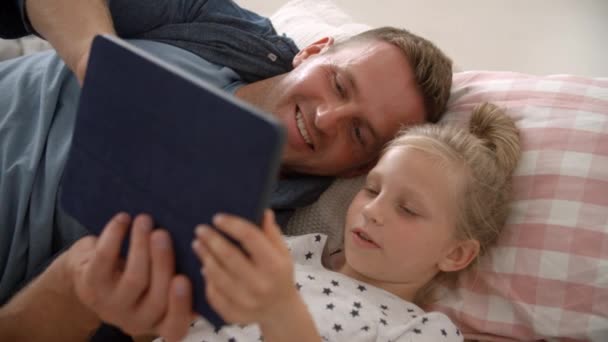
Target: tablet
150, 138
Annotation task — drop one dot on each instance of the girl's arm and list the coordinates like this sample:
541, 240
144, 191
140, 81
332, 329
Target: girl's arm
256, 287
295, 325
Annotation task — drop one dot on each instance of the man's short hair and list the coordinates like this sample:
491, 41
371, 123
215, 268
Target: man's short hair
432, 68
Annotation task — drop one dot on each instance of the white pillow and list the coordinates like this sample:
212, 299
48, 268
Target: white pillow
307, 21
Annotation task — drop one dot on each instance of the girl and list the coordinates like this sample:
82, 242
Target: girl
435, 201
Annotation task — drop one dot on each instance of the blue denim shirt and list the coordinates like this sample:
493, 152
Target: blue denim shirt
217, 30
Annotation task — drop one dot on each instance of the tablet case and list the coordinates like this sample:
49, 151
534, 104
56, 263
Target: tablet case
151, 138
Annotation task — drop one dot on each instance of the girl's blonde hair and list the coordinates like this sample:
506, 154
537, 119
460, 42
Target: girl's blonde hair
486, 153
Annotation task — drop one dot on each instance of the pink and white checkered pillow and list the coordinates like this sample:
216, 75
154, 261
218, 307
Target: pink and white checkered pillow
548, 276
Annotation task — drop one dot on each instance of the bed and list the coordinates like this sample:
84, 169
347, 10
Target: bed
547, 279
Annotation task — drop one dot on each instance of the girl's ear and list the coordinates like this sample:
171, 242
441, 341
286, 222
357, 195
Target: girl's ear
460, 256
315, 48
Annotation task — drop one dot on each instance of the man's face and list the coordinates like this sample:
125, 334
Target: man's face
341, 106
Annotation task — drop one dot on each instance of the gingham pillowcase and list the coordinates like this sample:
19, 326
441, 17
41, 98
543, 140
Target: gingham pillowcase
548, 276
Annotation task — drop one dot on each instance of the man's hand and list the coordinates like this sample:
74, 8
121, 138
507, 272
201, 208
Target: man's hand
141, 296
245, 289
70, 26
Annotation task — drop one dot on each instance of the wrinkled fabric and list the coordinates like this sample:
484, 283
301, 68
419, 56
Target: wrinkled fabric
219, 31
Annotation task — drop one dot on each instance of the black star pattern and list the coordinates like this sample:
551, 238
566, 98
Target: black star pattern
217, 330
414, 316
335, 283
309, 255
298, 286
410, 310
444, 333
365, 328
327, 291
329, 306
261, 338
457, 332
337, 327
361, 288
383, 321
317, 238
232, 339
354, 313
417, 331
311, 277
383, 307
424, 320
357, 305
192, 324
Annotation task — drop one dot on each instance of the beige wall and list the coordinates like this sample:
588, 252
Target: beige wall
532, 36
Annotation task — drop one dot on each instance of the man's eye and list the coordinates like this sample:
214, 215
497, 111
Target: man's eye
358, 134
339, 88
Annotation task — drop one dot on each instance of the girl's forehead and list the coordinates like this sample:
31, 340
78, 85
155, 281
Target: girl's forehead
411, 167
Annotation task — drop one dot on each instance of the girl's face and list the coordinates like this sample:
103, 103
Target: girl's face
400, 227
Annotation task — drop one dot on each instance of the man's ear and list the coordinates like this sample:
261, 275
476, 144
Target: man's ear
315, 48
460, 255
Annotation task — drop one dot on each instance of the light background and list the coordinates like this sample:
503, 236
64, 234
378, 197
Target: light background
531, 36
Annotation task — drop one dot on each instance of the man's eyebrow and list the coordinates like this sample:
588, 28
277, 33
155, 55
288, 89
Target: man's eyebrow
350, 78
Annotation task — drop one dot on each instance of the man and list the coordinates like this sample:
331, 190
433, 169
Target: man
340, 104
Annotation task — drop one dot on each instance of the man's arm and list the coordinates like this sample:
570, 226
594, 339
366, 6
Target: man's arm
48, 308
71, 25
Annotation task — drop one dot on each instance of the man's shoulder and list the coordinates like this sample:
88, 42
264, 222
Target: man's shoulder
299, 190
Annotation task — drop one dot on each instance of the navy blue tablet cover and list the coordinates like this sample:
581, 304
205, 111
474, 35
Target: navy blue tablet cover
151, 138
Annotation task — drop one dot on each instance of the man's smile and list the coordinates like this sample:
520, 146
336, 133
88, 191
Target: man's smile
302, 128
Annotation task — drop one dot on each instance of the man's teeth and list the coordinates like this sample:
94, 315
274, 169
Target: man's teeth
302, 128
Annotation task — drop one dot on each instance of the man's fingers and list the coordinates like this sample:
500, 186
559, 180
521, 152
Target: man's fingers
108, 250
179, 314
162, 271
136, 277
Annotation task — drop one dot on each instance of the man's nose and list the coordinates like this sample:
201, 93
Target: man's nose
330, 117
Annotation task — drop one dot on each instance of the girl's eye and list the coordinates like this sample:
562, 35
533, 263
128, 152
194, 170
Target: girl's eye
408, 211
370, 191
